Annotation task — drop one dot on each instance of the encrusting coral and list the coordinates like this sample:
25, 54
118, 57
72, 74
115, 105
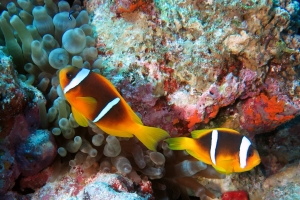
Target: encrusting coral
177, 63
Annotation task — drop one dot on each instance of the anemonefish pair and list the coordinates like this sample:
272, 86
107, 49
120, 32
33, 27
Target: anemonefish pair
92, 97
225, 149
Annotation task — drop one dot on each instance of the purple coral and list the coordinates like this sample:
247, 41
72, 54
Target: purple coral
8, 170
37, 152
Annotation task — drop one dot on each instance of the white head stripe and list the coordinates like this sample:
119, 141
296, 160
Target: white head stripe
245, 144
81, 75
214, 140
106, 109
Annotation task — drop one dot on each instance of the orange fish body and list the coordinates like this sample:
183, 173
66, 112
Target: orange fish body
225, 149
92, 97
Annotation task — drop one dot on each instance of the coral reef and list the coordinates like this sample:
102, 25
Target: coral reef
279, 147
99, 186
25, 149
194, 63
180, 65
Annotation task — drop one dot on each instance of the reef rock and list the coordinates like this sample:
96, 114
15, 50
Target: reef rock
180, 62
24, 149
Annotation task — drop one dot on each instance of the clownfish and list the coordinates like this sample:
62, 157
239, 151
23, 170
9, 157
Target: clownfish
93, 97
225, 149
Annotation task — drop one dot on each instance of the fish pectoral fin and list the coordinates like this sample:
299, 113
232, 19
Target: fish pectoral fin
224, 166
80, 119
88, 102
221, 170
198, 133
196, 155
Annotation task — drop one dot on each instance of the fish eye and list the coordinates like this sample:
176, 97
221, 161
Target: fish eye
69, 75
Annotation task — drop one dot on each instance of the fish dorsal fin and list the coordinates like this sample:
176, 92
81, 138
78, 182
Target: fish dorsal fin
80, 119
136, 118
87, 102
133, 115
199, 133
227, 130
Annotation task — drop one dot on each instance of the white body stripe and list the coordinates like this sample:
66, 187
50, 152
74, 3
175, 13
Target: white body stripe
106, 109
245, 144
214, 140
82, 74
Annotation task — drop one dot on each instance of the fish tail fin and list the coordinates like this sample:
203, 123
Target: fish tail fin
150, 136
179, 143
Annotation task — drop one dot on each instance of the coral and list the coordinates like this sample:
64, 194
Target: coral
280, 147
285, 184
8, 170
100, 186
264, 113
235, 195
36, 152
213, 64
19, 120
36, 181
123, 6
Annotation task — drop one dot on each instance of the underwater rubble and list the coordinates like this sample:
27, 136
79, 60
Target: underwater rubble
181, 65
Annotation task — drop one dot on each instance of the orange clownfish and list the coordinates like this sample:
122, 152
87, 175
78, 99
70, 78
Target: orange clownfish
92, 97
225, 149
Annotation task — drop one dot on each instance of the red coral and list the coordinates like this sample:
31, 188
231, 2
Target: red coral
235, 195
38, 180
146, 187
263, 114
123, 6
194, 119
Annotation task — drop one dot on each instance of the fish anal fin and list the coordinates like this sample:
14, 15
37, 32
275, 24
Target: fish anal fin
87, 102
80, 119
115, 132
